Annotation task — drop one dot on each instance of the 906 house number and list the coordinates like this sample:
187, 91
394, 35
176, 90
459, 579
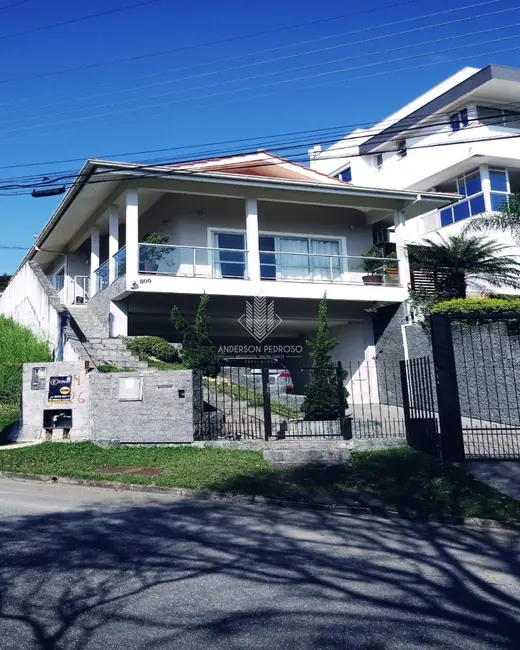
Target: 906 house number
144, 281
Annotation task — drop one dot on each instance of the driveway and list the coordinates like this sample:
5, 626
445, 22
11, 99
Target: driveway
87, 568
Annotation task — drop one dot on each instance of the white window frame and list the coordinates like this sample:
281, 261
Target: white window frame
342, 240
55, 275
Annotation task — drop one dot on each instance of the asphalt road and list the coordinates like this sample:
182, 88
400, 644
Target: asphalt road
86, 568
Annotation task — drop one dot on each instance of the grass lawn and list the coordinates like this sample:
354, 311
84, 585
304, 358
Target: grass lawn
400, 479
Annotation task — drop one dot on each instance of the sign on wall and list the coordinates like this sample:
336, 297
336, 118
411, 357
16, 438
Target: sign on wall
38, 378
60, 389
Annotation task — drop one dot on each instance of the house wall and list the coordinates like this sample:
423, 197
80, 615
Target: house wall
186, 219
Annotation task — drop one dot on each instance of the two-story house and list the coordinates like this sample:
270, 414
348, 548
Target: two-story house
237, 228
461, 136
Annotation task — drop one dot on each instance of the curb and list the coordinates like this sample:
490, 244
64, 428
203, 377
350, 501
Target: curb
203, 495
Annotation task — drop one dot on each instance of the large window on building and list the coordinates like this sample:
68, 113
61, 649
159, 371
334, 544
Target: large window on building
499, 183
496, 116
470, 186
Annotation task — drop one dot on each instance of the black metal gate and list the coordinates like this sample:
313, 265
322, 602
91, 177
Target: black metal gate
419, 404
253, 402
477, 360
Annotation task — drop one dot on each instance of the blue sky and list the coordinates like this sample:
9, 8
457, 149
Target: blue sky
213, 93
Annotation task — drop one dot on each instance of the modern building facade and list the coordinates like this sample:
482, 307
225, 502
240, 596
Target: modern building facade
461, 136
238, 229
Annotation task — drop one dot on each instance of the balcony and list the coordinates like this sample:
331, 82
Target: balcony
227, 263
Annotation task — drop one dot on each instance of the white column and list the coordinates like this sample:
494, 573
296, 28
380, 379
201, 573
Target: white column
113, 241
132, 237
94, 259
486, 186
400, 245
253, 248
118, 319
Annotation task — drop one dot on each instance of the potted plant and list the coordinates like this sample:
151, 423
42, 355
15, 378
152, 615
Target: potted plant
392, 268
151, 256
372, 266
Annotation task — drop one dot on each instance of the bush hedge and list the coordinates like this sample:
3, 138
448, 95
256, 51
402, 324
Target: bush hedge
153, 346
509, 305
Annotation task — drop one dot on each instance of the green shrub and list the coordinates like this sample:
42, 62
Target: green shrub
107, 367
153, 346
509, 305
17, 346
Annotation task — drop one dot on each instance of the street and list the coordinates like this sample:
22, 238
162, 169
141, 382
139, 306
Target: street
88, 568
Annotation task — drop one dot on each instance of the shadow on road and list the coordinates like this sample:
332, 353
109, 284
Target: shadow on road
185, 575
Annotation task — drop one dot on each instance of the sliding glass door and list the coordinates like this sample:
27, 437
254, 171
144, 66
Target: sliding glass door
299, 258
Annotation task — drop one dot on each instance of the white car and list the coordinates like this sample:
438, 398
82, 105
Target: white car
279, 378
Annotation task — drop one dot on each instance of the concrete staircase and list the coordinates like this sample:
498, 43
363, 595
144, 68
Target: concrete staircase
294, 452
102, 349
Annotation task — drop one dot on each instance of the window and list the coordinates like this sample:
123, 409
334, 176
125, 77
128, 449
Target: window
379, 161
59, 279
231, 256
299, 258
469, 184
496, 116
459, 119
401, 149
499, 183
345, 175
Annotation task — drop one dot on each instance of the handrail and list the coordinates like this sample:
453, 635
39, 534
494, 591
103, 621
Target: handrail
200, 248
349, 257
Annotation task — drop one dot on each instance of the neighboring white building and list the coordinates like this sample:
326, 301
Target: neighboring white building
461, 136
238, 228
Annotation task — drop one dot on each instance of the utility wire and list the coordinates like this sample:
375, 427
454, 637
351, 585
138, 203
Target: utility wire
156, 170
45, 28
209, 43
268, 85
14, 4
300, 139
134, 88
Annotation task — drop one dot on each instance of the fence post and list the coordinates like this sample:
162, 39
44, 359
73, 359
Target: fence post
346, 434
452, 441
266, 391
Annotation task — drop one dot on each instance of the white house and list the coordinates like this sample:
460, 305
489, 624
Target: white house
461, 136
238, 228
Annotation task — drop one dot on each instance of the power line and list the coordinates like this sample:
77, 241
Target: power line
275, 83
212, 73
133, 88
44, 28
154, 170
298, 140
208, 43
14, 4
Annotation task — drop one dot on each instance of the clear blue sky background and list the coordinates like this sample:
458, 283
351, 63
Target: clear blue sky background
104, 110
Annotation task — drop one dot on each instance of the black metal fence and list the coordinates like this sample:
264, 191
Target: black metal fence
477, 358
421, 417
267, 403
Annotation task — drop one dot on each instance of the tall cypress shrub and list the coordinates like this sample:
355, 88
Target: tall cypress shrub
321, 400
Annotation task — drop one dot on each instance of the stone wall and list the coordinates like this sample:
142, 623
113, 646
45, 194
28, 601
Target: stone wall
165, 411
164, 414
35, 401
487, 359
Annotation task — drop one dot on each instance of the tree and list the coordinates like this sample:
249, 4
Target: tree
198, 352
4, 281
507, 220
321, 400
467, 259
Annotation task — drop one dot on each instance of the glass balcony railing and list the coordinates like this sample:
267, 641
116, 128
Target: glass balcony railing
188, 261
120, 262
102, 277
318, 267
192, 261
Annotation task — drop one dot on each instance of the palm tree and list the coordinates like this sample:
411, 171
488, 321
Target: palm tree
507, 220
462, 259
